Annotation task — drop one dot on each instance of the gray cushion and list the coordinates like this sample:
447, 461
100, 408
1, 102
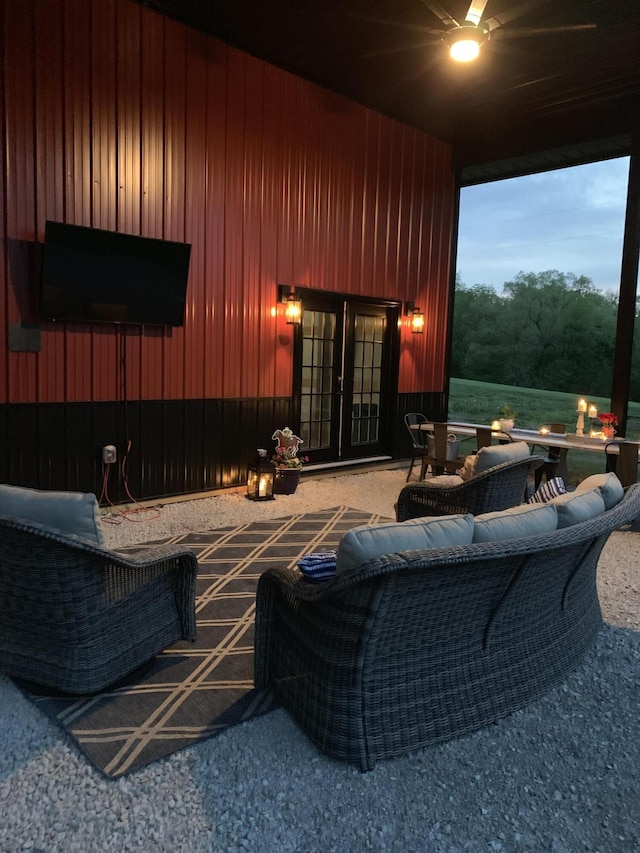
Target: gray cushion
72, 513
496, 454
609, 486
575, 507
515, 523
375, 540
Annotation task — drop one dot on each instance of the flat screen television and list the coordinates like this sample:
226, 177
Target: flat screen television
95, 276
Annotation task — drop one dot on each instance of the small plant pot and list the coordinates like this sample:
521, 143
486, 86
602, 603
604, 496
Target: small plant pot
286, 481
506, 424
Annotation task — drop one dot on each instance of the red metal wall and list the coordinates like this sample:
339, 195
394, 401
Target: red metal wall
119, 118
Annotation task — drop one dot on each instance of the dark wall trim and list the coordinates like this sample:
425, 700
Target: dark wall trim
177, 446
628, 291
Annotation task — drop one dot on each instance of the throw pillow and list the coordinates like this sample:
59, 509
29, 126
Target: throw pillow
515, 523
496, 454
469, 468
575, 507
319, 566
367, 542
551, 489
71, 513
609, 485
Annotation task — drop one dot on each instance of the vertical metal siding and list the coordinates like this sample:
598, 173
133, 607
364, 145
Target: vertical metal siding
122, 119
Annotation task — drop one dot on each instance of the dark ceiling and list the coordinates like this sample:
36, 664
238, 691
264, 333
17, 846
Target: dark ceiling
527, 103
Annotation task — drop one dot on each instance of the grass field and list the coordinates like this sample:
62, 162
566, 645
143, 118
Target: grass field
478, 402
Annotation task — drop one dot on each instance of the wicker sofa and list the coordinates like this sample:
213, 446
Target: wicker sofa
411, 649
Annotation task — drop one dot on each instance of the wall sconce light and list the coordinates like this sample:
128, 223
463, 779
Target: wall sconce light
417, 318
293, 310
260, 480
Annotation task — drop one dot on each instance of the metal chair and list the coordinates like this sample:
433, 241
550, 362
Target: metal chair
416, 425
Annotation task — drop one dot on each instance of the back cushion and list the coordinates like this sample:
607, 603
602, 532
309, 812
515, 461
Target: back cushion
575, 507
71, 513
609, 486
370, 541
496, 454
515, 523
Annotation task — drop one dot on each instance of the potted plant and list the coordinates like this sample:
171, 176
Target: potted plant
609, 421
287, 463
507, 417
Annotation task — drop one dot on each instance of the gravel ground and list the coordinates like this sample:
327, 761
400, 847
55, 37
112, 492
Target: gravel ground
562, 775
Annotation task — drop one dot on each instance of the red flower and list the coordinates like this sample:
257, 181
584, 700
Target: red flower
608, 418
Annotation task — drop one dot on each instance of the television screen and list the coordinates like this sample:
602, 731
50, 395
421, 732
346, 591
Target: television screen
95, 276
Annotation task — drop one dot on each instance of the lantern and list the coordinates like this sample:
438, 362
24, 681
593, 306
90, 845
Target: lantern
260, 479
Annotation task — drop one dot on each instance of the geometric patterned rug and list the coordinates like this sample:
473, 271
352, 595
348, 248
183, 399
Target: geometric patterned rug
193, 691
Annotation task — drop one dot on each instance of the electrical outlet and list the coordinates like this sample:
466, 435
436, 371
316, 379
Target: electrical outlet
109, 454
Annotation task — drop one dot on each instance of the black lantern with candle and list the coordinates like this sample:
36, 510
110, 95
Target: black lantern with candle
260, 479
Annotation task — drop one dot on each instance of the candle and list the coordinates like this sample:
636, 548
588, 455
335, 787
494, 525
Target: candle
593, 412
262, 487
544, 430
582, 405
495, 424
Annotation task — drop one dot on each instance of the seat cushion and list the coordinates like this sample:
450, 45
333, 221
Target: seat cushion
575, 507
496, 454
369, 541
609, 486
515, 523
444, 481
71, 513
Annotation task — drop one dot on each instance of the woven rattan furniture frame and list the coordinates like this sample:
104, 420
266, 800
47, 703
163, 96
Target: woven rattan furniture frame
77, 617
495, 489
413, 649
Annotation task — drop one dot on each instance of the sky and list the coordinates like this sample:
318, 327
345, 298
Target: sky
570, 220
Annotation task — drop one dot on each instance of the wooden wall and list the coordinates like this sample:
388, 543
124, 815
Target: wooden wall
119, 118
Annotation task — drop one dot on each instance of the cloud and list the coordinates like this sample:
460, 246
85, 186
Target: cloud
571, 220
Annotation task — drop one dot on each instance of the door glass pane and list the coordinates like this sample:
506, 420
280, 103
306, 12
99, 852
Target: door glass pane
367, 375
318, 333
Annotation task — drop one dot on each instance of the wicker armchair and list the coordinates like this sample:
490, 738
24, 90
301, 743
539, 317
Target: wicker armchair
495, 489
413, 649
77, 617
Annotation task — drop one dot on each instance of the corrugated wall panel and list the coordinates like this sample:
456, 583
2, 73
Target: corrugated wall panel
214, 218
119, 118
50, 181
175, 200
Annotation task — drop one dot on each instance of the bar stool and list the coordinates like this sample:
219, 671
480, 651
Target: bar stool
624, 463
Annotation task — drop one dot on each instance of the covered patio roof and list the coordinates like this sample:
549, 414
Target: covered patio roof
549, 98
564, 92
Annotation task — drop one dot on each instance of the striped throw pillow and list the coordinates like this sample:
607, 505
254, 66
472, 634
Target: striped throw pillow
319, 566
547, 491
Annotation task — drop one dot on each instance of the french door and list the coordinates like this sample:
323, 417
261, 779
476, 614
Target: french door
346, 367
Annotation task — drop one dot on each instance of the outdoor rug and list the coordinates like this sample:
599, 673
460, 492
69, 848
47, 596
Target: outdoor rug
193, 691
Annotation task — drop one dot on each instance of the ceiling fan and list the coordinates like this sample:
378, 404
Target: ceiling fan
465, 39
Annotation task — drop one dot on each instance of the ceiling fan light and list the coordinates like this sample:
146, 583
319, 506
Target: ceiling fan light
464, 42
465, 50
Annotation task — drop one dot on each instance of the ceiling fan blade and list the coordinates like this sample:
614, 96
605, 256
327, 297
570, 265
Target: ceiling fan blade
403, 26
476, 11
439, 12
387, 51
518, 32
511, 14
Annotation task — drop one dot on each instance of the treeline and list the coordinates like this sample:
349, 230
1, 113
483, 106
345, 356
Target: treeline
547, 330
